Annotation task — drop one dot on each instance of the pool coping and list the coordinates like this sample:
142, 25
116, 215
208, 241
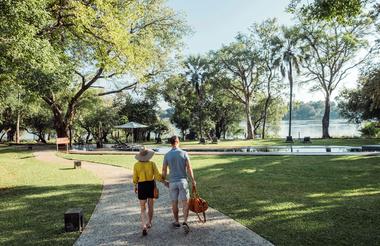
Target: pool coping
83, 152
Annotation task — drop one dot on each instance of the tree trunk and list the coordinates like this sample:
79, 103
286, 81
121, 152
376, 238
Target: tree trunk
223, 131
60, 125
200, 121
265, 116
99, 143
218, 130
290, 76
41, 137
249, 120
61, 128
18, 128
105, 139
88, 136
11, 135
70, 136
256, 127
326, 118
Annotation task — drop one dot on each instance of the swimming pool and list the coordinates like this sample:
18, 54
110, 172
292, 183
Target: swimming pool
280, 149
248, 149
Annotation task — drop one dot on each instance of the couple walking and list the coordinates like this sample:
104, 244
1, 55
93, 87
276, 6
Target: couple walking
145, 173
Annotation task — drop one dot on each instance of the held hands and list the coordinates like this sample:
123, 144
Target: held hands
166, 183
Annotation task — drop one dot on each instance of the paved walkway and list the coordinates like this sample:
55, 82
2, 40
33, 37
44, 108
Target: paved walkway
116, 219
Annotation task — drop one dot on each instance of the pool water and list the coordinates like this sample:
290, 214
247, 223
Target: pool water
285, 149
251, 149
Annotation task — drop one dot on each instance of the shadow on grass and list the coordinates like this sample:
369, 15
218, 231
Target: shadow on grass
67, 168
298, 200
27, 157
7, 150
31, 215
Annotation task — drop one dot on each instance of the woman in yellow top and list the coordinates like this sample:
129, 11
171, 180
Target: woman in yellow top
144, 174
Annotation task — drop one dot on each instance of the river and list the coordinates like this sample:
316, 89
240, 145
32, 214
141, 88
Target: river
300, 128
313, 128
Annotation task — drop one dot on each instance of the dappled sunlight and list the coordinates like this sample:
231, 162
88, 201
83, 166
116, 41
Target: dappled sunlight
37, 196
281, 206
248, 171
353, 158
347, 193
261, 202
216, 169
297, 195
13, 206
273, 163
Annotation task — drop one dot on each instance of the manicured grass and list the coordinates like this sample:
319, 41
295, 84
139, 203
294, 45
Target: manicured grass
34, 196
277, 141
290, 200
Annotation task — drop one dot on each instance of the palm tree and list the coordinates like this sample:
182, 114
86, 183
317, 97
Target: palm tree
291, 59
197, 73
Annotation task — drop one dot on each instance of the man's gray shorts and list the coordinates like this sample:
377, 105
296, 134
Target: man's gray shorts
179, 190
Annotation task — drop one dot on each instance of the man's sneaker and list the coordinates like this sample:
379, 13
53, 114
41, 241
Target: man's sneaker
186, 227
176, 225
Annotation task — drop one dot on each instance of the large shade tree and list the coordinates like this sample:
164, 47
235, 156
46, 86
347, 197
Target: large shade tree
332, 51
80, 43
270, 46
181, 96
239, 67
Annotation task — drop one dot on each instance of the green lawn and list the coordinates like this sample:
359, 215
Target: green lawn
278, 141
34, 196
290, 200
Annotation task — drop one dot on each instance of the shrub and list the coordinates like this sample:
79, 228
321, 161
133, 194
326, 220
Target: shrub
370, 130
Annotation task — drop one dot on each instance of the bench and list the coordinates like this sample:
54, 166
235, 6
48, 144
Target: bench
306, 140
289, 139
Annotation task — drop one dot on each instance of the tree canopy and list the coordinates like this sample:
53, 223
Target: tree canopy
330, 10
60, 49
362, 103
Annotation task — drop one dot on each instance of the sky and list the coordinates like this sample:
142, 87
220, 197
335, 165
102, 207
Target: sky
216, 22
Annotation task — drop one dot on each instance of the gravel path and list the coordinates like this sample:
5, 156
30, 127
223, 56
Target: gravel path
116, 219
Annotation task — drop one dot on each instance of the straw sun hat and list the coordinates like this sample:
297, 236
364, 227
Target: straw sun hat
145, 154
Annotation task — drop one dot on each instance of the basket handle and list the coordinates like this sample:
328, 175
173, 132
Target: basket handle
194, 191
